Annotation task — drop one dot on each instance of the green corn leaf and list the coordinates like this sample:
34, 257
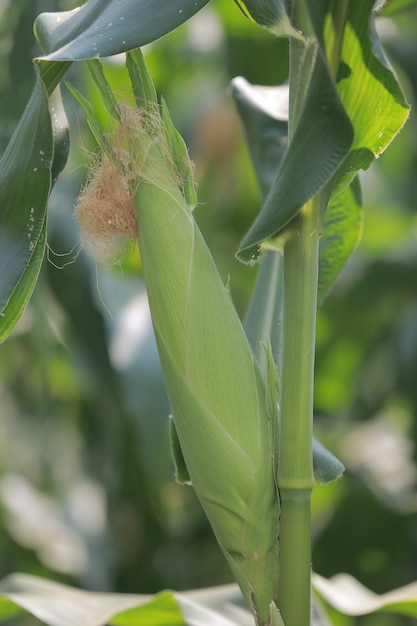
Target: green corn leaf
58, 605
141, 81
319, 143
276, 618
270, 14
342, 231
264, 315
349, 597
95, 127
264, 113
179, 152
365, 83
23, 290
326, 466
107, 27
36, 154
365, 95
395, 6
181, 472
103, 87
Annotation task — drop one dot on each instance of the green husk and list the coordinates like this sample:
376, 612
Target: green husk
217, 397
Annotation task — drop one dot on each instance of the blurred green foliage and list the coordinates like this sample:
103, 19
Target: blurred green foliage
87, 493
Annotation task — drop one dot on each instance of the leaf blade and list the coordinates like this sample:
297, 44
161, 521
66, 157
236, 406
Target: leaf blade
107, 27
320, 141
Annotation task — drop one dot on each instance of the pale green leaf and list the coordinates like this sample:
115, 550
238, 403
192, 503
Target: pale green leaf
181, 472
140, 79
350, 597
103, 87
391, 7
276, 617
365, 81
264, 316
326, 466
179, 153
342, 231
8, 609
162, 610
95, 127
59, 605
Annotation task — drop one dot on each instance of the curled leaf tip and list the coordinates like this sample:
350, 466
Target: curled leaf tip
271, 15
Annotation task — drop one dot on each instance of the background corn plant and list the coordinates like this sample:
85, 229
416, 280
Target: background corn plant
335, 143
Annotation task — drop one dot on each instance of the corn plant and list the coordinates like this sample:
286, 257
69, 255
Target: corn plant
241, 396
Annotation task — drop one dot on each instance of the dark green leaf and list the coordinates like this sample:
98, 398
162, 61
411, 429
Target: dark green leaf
28, 169
320, 141
107, 27
23, 289
264, 113
270, 14
25, 179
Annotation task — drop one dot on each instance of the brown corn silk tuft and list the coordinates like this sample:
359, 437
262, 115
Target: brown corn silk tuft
105, 213
105, 207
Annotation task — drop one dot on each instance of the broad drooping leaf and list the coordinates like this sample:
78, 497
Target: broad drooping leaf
39, 147
59, 605
33, 159
264, 112
318, 144
365, 82
350, 110
107, 27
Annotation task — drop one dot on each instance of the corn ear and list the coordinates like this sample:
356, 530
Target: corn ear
216, 393
224, 419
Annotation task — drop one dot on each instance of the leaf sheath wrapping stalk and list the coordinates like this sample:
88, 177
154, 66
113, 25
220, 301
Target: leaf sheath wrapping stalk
215, 389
